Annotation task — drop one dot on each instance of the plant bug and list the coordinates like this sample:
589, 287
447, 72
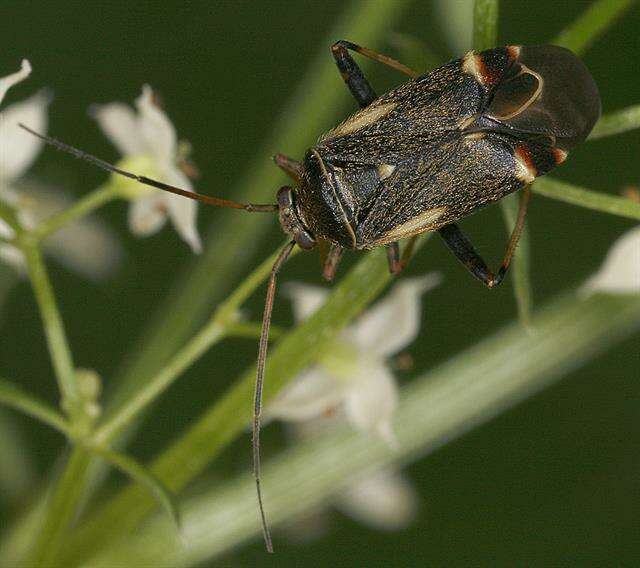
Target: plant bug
419, 158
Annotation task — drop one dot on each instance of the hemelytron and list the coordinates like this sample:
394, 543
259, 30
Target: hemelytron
420, 158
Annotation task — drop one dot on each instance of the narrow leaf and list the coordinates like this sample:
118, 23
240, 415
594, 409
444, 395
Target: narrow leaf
485, 24
142, 475
592, 23
617, 122
466, 391
228, 418
576, 195
14, 397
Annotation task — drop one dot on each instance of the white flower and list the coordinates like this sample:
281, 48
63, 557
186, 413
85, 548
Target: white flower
355, 383
620, 271
149, 134
86, 247
16, 152
10, 80
385, 500
355, 376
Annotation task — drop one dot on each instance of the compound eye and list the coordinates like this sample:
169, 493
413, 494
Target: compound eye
515, 95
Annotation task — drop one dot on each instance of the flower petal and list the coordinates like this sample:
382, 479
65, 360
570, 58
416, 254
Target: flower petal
183, 211
156, 128
394, 322
19, 147
10, 80
306, 299
13, 257
87, 248
311, 395
385, 500
620, 271
147, 214
120, 125
371, 400
6, 232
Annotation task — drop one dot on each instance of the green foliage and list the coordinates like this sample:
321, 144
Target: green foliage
442, 404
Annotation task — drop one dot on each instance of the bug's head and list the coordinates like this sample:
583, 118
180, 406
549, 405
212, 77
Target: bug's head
548, 92
290, 219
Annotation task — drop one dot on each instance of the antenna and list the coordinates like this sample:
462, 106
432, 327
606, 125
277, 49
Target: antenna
215, 201
257, 396
268, 307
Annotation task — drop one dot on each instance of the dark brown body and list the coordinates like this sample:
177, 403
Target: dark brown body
445, 144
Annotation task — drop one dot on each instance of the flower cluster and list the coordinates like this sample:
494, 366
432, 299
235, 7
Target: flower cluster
87, 247
355, 382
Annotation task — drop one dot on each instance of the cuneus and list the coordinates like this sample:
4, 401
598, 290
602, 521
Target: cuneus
419, 158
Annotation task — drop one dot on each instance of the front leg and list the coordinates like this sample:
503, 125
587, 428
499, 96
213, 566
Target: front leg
460, 245
291, 167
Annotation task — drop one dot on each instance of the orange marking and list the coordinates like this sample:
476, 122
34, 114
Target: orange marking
559, 155
526, 170
513, 52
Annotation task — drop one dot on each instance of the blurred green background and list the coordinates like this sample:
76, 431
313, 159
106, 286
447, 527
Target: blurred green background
555, 481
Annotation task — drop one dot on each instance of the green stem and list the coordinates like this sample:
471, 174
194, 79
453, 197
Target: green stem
443, 404
485, 24
60, 511
252, 330
14, 397
8, 215
575, 195
591, 24
229, 416
78, 210
54, 329
61, 506
213, 332
617, 122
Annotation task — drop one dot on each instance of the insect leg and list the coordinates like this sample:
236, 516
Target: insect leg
331, 262
291, 167
398, 262
350, 71
352, 75
393, 258
464, 251
257, 395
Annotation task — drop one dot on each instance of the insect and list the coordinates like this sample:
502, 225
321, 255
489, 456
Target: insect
419, 158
